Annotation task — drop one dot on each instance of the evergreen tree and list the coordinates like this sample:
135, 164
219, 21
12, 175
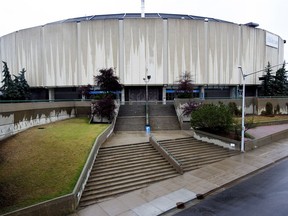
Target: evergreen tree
17, 89
281, 83
267, 85
21, 85
8, 88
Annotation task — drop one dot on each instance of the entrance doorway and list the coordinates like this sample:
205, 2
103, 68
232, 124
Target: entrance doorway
139, 93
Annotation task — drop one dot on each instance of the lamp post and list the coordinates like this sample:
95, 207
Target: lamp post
243, 110
243, 102
146, 80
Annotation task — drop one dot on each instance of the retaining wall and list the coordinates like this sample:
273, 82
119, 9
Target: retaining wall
16, 117
253, 105
253, 144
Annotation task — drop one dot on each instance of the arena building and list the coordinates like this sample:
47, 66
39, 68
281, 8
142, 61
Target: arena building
62, 56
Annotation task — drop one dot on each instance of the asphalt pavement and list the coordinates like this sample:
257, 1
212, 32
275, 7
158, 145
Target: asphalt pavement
264, 194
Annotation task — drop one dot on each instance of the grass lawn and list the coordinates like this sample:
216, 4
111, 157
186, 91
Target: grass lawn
44, 162
263, 119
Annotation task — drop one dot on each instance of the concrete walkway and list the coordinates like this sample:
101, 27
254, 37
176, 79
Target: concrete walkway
130, 137
160, 197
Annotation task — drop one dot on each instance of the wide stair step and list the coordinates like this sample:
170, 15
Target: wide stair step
132, 110
106, 194
127, 179
121, 169
131, 123
131, 118
163, 117
194, 154
124, 168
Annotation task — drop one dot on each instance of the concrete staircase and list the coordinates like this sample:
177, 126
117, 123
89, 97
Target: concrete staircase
194, 154
163, 117
124, 168
131, 118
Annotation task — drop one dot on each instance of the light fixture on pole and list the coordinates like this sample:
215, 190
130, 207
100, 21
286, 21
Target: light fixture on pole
243, 111
146, 80
243, 101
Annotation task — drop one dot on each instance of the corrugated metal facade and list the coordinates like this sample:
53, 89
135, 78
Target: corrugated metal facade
70, 53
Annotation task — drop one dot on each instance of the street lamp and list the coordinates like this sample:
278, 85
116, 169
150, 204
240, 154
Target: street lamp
147, 126
243, 110
243, 101
146, 81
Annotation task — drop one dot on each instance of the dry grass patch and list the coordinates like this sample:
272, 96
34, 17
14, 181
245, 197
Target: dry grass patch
264, 119
44, 162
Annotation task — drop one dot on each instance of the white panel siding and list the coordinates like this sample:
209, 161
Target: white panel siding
186, 50
60, 54
70, 54
222, 53
143, 50
98, 48
29, 52
8, 54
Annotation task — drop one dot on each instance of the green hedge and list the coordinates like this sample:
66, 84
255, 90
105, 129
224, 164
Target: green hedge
211, 117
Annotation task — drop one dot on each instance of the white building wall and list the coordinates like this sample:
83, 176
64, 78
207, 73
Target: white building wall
70, 54
253, 50
186, 51
8, 53
222, 53
98, 48
60, 54
143, 51
29, 55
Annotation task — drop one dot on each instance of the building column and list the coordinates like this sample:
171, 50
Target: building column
202, 92
51, 94
121, 51
206, 77
233, 92
165, 51
164, 95
123, 96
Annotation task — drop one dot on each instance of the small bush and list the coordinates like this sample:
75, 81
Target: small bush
234, 109
277, 110
189, 107
249, 123
185, 86
263, 113
269, 108
214, 118
104, 108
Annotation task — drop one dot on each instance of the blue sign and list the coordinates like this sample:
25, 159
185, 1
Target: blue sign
173, 91
102, 92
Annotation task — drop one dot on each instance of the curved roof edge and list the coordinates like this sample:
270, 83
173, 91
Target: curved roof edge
138, 15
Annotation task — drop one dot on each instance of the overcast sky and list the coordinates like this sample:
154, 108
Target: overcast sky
271, 15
